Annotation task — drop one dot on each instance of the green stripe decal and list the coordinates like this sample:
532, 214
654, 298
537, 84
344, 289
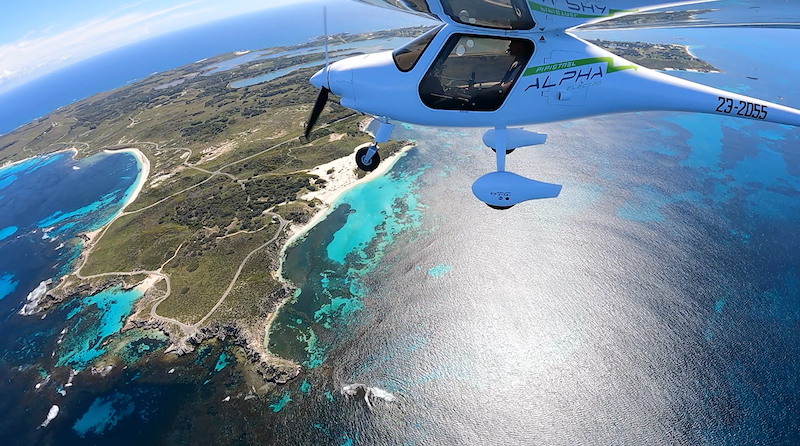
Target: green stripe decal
575, 15
579, 63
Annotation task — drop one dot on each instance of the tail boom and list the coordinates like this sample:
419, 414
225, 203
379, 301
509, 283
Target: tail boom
649, 90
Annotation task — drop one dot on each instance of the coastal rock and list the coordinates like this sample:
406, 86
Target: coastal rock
51, 415
67, 289
360, 391
102, 371
32, 301
269, 367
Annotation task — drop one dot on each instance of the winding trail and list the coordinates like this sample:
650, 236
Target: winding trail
187, 329
239, 271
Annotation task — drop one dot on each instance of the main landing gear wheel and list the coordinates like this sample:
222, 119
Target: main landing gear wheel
499, 208
370, 165
508, 151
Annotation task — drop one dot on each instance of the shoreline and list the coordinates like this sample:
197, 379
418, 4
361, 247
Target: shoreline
89, 237
144, 172
330, 200
13, 163
342, 179
688, 49
329, 204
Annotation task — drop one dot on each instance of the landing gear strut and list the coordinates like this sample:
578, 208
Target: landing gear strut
367, 158
501, 189
500, 150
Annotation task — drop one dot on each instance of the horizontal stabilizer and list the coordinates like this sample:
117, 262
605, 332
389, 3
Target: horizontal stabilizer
505, 189
515, 138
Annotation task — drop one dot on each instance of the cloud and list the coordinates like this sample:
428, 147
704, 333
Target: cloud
181, 15
35, 54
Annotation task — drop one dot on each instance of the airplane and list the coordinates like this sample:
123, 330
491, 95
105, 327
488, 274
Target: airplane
508, 63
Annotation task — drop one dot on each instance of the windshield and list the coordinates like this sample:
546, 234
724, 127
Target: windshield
418, 7
499, 14
407, 55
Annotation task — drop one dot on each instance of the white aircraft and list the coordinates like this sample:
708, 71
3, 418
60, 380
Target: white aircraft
505, 63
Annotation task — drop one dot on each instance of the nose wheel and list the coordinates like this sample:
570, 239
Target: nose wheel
367, 158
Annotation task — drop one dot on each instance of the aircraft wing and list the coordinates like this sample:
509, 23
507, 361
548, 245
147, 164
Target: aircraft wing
525, 15
564, 14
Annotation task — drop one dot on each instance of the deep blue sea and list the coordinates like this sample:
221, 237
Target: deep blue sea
656, 301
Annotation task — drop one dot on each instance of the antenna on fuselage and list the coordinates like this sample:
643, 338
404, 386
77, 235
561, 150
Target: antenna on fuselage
323, 93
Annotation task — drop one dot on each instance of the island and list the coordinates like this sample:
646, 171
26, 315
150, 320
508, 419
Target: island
655, 19
228, 181
664, 57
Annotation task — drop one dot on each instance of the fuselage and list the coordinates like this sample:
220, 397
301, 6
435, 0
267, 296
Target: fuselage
492, 78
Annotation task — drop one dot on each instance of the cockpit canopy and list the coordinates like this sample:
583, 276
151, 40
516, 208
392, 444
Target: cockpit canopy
496, 14
418, 7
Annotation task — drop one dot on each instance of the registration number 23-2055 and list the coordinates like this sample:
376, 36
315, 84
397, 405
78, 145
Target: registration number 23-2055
743, 108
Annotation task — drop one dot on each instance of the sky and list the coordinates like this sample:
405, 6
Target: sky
40, 36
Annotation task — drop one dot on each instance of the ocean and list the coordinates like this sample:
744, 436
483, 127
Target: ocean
656, 301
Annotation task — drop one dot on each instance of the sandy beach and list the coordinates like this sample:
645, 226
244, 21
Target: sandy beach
144, 173
341, 179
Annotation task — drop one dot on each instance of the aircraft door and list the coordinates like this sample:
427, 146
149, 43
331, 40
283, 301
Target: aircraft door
474, 73
570, 87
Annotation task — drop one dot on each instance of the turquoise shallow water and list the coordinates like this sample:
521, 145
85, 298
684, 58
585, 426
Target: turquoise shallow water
84, 341
8, 232
46, 202
368, 219
654, 302
383, 207
7, 285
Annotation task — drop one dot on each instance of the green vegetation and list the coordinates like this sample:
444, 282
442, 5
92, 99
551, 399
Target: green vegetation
178, 182
141, 241
203, 270
251, 300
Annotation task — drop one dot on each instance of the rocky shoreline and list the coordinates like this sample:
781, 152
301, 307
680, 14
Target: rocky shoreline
270, 368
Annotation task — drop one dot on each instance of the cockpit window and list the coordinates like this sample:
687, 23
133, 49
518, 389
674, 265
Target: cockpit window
499, 14
474, 72
407, 55
417, 5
